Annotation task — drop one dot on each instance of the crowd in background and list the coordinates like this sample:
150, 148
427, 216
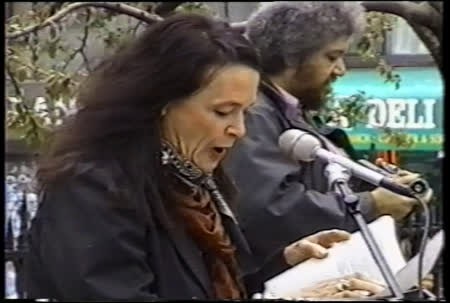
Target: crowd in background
20, 208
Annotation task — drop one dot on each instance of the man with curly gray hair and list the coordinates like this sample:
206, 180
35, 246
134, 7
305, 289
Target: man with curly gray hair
289, 34
302, 47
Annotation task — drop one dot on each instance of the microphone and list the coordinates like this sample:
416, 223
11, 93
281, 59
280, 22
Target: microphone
302, 146
419, 186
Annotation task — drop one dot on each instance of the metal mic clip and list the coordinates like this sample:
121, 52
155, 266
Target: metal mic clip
374, 167
419, 186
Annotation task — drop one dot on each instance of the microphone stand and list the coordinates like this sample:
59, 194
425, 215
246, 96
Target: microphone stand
338, 177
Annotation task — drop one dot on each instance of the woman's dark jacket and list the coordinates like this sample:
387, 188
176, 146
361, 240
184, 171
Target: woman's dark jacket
85, 247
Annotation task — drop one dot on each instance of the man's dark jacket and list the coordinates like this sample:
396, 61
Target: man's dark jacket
281, 200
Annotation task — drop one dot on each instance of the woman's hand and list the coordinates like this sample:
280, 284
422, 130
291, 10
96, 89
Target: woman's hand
355, 286
314, 246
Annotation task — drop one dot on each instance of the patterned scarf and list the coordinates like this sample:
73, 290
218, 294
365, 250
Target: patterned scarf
199, 205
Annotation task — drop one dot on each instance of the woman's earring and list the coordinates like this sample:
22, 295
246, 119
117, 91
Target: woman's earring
163, 112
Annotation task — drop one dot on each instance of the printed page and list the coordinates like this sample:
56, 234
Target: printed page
344, 259
407, 277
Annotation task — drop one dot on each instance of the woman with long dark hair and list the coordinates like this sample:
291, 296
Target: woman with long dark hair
134, 202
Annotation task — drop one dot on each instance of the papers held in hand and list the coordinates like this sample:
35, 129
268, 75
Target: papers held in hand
353, 257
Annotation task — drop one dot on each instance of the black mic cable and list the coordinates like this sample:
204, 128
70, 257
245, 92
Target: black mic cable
423, 241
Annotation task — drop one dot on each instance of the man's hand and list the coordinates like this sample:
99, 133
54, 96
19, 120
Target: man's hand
314, 246
428, 195
389, 203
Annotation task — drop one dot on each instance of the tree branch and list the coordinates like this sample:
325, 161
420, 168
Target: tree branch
437, 5
412, 12
135, 29
55, 7
431, 41
423, 19
165, 8
436, 17
117, 7
33, 42
409, 11
13, 80
84, 39
86, 61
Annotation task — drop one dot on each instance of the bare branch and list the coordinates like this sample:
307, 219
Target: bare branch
437, 18
431, 41
84, 39
423, 18
412, 12
86, 61
135, 29
165, 8
437, 5
55, 7
117, 7
13, 80
33, 43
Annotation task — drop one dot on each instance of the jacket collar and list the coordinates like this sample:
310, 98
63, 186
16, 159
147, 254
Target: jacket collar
295, 118
294, 115
189, 254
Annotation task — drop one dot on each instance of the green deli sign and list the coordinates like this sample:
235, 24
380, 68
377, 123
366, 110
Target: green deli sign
414, 109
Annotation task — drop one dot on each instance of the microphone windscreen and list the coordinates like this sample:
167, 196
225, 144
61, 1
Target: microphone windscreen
298, 145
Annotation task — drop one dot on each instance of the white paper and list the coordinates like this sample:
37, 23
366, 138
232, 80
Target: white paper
345, 258
407, 277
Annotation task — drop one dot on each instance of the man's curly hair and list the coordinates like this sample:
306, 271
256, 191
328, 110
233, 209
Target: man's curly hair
287, 33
